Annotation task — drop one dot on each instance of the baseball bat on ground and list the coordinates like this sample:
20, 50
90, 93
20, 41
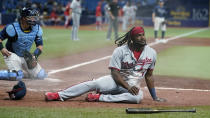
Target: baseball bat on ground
149, 111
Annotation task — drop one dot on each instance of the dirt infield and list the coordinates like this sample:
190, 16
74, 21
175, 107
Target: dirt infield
191, 94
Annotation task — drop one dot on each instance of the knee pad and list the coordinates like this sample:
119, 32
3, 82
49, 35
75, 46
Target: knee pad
11, 75
42, 74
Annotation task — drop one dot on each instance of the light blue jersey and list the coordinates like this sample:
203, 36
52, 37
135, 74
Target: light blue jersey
23, 41
18, 40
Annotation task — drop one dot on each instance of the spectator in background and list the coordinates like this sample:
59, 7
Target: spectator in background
66, 13
44, 17
98, 16
41, 17
54, 17
59, 11
113, 11
56, 14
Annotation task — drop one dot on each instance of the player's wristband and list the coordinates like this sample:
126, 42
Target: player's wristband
153, 93
37, 52
1, 46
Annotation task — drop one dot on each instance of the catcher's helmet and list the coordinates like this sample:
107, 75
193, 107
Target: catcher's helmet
18, 91
31, 15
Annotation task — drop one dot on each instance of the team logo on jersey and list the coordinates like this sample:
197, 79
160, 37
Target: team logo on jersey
141, 63
126, 65
144, 61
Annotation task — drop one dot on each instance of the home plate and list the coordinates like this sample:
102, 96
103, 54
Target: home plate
53, 80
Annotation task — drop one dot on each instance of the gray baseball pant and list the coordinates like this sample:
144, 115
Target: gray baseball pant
113, 23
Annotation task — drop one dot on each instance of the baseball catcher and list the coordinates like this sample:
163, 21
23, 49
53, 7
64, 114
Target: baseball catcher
18, 91
20, 37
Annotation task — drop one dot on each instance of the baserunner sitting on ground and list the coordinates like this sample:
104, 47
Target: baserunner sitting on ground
131, 61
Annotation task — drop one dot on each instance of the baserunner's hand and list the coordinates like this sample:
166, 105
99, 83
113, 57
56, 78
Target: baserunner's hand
133, 90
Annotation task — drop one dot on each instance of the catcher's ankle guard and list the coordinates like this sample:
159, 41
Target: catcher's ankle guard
11, 75
42, 74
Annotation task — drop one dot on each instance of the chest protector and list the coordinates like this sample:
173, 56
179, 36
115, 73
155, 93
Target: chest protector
24, 40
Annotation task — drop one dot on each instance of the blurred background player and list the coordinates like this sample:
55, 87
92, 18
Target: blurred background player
66, 14
98, 16
131, 61
133, 13
126, 16
113, 11
20, 37
159, 20
75, 12
106, 12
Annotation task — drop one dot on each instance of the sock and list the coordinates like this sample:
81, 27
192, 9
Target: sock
163, 34
156, 34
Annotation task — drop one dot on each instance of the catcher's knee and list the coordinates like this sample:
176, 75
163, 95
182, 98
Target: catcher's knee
42, 74
11, 75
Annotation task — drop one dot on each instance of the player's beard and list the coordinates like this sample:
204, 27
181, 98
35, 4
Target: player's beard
139, 45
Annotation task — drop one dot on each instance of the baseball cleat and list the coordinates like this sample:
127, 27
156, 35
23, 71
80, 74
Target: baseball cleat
163, 41
93, 97
156, 40
50, 96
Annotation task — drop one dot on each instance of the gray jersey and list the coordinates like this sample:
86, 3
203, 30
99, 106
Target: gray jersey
133, 9
76, 7
106, 9
127, 10
131, 69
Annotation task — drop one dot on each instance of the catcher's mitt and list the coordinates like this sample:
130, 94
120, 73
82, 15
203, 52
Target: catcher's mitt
18, 91
164, 22
30, 59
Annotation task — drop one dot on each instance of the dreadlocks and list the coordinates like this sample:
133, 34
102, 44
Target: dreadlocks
125, 38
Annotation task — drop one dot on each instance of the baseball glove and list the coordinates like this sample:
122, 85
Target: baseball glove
30, 59
164, 22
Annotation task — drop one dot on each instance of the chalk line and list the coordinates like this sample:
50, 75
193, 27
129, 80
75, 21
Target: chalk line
157, 88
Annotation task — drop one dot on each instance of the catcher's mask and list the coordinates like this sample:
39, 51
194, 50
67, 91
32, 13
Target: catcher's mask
31, 15
18, 91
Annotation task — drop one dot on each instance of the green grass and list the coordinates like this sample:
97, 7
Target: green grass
69, 112
187, 61
204, 34
58, 42
171, 32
